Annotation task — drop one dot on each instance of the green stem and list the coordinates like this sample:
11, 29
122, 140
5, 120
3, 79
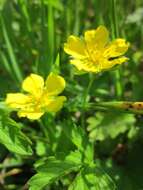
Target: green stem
51, 40
114, 19
85, 99
77, 17
115, 34
43, 128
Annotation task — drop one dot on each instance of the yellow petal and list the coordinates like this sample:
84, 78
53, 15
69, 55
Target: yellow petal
30, 115
110, 64
55, 84
86, 65
75, 47
119, 60
56, 104
78, 63
33, 84
116, 48
97, 38
17, 100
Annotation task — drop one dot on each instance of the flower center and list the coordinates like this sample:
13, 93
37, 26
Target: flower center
94, 56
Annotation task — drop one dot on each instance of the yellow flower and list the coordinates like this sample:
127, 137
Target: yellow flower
94, 52
40, 97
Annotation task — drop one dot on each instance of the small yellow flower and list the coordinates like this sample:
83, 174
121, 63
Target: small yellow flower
94, 52
40, 97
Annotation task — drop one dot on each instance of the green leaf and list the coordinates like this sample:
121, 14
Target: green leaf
74, 133
78, 183
80, 139
74, 156
12, 137
110, 125
91, 178
40, 148
52, 169
98, 179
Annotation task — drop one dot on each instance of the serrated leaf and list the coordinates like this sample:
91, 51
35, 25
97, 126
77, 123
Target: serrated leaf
52, 169
74, 133
78, 183
74, 156
12, 137
98, 179
80, 139
91, 178
105, 125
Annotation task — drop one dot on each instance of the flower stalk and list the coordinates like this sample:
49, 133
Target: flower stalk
122, 106
115, 34
87, 90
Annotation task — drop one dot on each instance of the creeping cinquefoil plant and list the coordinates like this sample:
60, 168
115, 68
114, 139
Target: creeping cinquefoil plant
68, 125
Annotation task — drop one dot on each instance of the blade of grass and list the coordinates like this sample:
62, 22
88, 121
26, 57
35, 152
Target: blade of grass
23, 7
6, 65
50, 23
47, 31
77, 17
115, 34
98, 13
68, 17
26, 17
11, 54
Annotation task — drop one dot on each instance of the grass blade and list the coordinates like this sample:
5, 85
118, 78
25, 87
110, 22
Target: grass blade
12, 56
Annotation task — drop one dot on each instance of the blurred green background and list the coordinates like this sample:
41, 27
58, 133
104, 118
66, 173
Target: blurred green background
32, 34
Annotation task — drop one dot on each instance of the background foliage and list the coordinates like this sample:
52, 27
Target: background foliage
56, 151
